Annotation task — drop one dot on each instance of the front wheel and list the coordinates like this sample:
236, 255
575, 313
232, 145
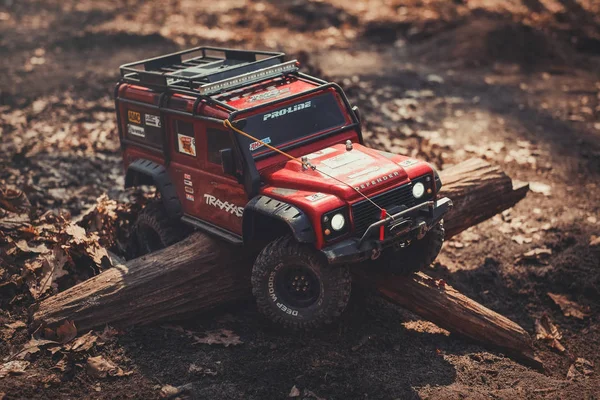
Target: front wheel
295, 287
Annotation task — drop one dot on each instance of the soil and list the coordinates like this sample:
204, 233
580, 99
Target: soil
517, 83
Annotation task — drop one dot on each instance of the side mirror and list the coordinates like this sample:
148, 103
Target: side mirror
357, 113
228, 162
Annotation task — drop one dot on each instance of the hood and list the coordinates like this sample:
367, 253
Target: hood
362, 168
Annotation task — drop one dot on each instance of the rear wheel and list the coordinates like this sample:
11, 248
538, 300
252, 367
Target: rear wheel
418, 255
154, 230
295, 287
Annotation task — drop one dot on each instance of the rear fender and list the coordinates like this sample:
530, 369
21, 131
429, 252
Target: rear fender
146, 172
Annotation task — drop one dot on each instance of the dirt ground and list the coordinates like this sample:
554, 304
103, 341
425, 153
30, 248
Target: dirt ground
515, 82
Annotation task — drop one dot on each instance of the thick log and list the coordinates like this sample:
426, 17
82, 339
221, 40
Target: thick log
195, 274
199, 274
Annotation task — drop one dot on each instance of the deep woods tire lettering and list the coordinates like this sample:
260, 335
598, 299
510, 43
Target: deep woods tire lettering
294, 285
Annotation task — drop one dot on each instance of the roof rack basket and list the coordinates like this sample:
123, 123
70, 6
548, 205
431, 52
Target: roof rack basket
206, 70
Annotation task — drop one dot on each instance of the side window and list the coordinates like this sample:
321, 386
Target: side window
217, 140
186, 141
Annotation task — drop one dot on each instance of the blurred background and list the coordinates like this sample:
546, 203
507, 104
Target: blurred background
515, 82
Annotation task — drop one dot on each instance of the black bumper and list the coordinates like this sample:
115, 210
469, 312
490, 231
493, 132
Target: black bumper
409, 224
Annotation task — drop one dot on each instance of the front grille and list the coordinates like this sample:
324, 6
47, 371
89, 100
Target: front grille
365, 213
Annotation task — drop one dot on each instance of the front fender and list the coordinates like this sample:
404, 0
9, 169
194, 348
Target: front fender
267, 207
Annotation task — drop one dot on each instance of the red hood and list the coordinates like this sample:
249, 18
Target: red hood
363, 168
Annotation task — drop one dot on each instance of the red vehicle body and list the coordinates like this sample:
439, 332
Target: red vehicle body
212, 178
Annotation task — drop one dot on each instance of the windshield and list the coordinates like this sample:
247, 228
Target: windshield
293, 122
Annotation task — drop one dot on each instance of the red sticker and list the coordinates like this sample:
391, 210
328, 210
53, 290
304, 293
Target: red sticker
187, 176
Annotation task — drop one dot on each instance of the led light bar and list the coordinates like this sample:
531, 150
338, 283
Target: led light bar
250, 77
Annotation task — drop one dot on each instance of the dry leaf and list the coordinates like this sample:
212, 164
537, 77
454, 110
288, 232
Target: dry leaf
26, 248
539, 255
568, 307
82, 343
542, 188
52, 268
8, 332
580, 368
66, 332
594, 240
13, 368
295, 392
198, 370
99, 367
222, 336
546, 330
521, 239
32, 347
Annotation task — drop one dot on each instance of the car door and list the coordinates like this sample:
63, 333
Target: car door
223, 197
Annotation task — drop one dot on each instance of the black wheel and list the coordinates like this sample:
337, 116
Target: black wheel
417, 255
154, 230
295, 287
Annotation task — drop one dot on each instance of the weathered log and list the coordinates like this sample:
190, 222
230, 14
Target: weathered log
199, 274
195, 274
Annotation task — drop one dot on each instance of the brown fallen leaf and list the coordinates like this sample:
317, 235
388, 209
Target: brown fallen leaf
541, 188
66, 332
580, 368
568, 307
26, 248
295, 392
222, 336
547, 331
594, 241
52, 268
32, 347
99, 367
170, 392
10, 329
82, 343
13, 368
539, 255
198, 370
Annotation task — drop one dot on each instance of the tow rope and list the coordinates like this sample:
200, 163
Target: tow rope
307, 164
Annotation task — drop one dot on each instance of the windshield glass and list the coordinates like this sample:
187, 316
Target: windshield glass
293, 122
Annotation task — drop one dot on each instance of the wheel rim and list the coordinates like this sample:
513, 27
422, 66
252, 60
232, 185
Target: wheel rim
149, 240
298, 286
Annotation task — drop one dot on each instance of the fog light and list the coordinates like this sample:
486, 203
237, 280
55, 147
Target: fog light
418, 190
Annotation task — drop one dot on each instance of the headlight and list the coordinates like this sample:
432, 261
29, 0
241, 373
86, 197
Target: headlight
337, 222
418, 190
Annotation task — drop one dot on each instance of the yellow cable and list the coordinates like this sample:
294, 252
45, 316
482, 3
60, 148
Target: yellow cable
228, 124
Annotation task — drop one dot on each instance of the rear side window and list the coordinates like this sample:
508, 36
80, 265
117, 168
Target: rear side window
217, 140
144, 127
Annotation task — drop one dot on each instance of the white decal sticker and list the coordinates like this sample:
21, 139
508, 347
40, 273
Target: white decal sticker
189, 190
320, 153
224, 205
287, 110
187, 144
153, 120
258, 145
189, 197
187, 182
268, 95
408, 163
316, 196
364, 172
343, 159
136, 130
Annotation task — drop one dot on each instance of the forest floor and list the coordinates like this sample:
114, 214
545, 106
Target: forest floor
515, 82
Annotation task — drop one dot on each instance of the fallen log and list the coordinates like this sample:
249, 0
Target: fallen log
198, 274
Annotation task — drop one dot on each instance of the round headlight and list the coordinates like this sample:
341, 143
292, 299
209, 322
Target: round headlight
337, 222
418, 190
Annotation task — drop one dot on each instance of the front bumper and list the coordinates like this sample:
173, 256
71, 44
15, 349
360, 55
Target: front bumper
409, 224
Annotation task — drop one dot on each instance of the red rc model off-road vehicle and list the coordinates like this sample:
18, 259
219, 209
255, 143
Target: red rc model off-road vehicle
243, 146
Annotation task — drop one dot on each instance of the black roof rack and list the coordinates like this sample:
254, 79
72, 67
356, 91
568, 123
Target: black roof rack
206, 70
